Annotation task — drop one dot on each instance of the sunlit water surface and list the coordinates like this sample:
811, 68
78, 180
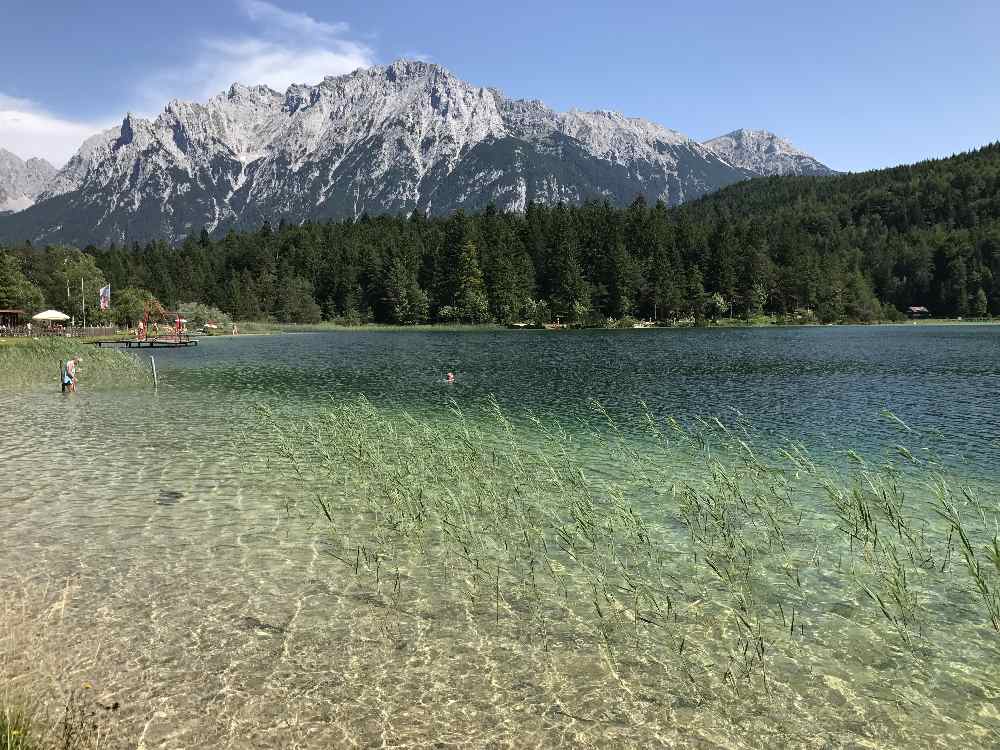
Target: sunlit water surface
228, 625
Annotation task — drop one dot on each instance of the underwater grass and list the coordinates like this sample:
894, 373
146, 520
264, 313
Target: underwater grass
16, 728
701, 552
35, 363
44, 705
83, 725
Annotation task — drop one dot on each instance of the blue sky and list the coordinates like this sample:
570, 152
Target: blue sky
858, 84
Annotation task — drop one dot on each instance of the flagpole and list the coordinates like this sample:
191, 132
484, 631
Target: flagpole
83, 302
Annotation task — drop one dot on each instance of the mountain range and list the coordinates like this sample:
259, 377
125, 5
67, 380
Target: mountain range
388, 139
21, 182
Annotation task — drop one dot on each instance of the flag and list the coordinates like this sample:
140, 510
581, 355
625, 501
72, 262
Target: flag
105, 297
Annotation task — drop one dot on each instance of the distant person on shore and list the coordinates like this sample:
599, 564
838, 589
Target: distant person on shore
140, 331
70, 375
236, 331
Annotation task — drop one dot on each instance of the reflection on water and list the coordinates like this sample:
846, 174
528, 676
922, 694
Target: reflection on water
228, 624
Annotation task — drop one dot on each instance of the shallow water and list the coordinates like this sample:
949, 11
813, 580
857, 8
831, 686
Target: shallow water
228, 624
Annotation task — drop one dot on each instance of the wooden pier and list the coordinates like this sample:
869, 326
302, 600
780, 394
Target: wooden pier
147, 343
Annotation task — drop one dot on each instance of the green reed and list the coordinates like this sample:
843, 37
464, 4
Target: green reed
84, 723
688, 547
30, 363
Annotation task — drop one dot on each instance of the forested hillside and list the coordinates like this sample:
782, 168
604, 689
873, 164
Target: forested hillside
846, 247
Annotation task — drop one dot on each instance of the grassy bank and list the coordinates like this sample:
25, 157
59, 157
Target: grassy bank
35, 363
764, 321
761, 321
257, 327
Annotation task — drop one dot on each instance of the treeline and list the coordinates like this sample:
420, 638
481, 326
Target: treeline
848, 247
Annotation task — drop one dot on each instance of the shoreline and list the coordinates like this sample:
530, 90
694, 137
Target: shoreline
265, 329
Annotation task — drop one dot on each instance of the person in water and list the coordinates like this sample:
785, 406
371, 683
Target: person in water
70, 375
450, 378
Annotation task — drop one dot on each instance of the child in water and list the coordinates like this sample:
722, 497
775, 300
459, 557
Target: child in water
70, 375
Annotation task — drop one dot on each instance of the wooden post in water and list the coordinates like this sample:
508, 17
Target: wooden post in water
62, 369
152, 363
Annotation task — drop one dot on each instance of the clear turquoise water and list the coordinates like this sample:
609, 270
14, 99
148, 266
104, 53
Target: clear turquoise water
825, 386
227, 624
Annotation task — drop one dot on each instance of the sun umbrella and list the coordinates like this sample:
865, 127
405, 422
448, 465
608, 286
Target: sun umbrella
50, 315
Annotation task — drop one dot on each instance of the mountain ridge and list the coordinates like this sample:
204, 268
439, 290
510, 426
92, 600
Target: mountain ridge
409, 136
765, 153
22, 181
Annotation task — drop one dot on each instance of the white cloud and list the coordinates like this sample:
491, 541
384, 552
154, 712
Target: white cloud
284, 47
297, 23
252, 61
28, 130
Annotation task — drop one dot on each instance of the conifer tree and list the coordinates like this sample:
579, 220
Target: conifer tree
470, 293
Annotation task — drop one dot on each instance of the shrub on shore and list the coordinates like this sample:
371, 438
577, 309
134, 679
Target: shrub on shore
197, 315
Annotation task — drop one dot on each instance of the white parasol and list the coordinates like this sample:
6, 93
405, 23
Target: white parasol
50, 315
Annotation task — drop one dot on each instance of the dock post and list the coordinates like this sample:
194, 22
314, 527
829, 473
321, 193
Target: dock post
152, 363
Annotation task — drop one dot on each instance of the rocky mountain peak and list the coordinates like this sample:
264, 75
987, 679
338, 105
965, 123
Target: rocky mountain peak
21, 182
765, 153
404, 68
36, 164
406, 136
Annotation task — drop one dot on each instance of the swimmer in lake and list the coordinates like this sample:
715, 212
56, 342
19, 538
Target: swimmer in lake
450, 378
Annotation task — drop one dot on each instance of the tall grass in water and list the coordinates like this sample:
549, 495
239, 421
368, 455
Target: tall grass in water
688, 548
30, 363
47, 701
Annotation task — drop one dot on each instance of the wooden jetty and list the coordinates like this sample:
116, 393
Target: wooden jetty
166, 343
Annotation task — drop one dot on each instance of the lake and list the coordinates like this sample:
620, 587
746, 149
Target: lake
231, 613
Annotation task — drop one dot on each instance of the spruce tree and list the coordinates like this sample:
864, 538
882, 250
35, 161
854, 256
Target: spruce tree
470, 293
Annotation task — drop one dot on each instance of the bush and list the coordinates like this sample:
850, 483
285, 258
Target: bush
448, 314
626, 321
537, 312
197, 315
351, 317
890, 313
